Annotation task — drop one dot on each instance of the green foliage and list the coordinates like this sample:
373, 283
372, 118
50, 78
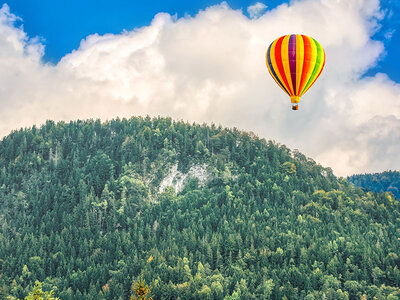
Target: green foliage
38, 294
81, 211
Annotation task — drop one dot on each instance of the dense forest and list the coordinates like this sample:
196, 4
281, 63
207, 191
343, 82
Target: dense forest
193, 211
388, 181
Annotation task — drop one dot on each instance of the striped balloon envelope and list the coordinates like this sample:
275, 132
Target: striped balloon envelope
295, 61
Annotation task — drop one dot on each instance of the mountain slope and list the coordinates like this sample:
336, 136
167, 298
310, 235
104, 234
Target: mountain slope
83, 205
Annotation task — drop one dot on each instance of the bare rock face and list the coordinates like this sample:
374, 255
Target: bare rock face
177, 179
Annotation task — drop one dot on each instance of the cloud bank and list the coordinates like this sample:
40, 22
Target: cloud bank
211, 68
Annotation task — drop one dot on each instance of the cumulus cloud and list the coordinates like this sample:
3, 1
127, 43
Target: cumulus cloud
256, 10
211, 68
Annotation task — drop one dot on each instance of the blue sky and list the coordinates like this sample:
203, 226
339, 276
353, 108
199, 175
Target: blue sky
63, 24
389, 33
68, 60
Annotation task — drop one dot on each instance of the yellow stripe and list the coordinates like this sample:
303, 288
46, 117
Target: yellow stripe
313, 60
299, 60
285, 62
321, 65
274, 65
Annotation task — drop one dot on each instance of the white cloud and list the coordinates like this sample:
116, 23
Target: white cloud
389, 34
211, 68
256, 10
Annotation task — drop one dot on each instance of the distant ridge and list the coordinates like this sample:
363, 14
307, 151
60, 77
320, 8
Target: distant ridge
388, 181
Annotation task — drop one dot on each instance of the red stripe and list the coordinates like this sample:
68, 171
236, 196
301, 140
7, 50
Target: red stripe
306, 62
278, 60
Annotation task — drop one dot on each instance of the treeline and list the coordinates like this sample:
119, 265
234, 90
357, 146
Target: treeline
81, 212
388, 181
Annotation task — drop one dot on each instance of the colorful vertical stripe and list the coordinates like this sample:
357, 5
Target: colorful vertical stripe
295, 62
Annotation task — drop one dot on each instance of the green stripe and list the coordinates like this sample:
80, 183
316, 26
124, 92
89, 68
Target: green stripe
316, 66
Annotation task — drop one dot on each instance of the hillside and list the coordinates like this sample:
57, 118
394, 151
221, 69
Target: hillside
388, 181
223, 214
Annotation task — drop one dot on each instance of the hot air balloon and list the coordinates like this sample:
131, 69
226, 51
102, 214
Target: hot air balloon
295, 61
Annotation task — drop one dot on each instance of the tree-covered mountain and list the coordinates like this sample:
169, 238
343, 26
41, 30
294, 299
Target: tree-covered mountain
86, 208
388, 181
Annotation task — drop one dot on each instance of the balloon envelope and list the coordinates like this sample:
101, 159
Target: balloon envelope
295, 61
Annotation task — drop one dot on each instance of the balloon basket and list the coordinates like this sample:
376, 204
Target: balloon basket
295, 107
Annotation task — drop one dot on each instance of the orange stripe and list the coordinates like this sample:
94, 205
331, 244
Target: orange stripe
278, 60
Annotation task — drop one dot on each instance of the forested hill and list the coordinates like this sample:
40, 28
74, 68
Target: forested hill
202, 212
388, 181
